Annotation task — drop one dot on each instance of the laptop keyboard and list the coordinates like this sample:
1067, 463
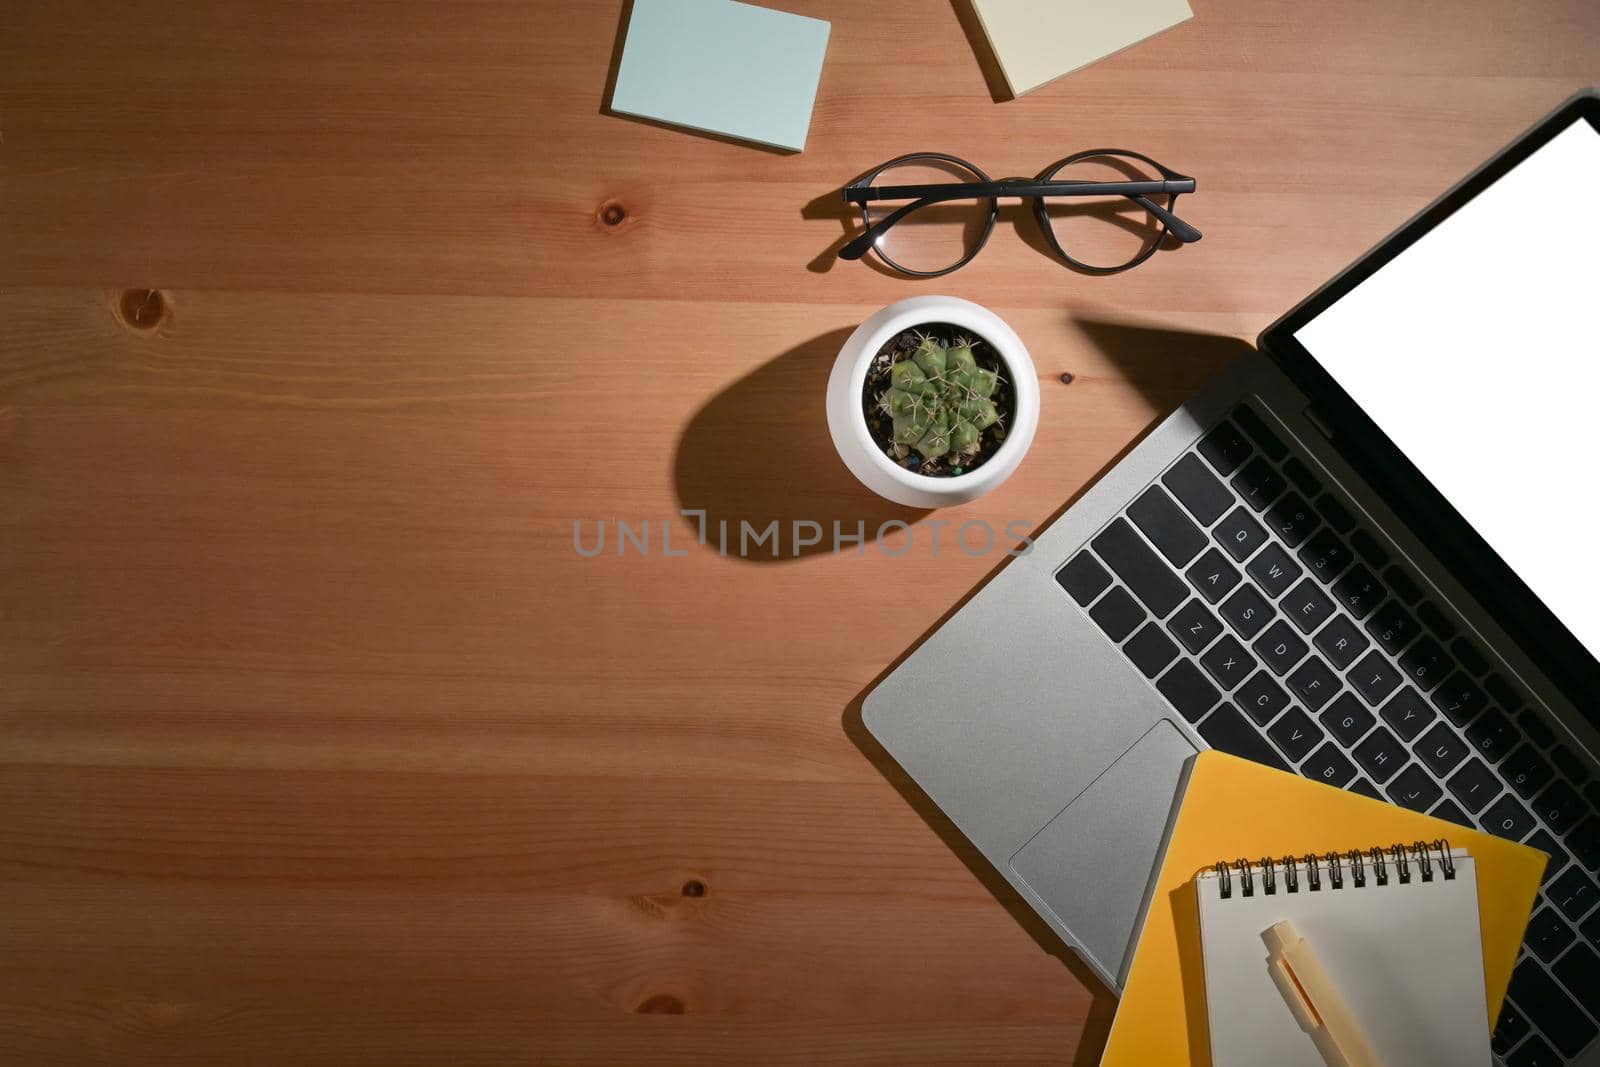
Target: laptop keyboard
1283, 631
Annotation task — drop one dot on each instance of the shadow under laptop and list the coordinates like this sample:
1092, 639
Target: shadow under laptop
1145, 356
1166, 366
759, 453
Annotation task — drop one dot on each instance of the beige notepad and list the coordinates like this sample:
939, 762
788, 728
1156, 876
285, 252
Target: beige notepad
1401, 945
1038, 41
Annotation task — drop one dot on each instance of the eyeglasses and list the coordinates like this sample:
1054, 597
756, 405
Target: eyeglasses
1112, 207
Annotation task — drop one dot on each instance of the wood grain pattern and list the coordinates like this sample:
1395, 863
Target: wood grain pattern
322, 744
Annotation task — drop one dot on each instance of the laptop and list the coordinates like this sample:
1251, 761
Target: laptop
1367, 552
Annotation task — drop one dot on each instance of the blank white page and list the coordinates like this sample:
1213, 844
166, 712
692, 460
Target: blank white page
1406, 958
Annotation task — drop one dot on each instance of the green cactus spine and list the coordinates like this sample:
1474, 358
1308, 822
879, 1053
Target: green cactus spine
940, 400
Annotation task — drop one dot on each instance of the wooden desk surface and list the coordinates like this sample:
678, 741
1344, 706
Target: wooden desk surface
322, 745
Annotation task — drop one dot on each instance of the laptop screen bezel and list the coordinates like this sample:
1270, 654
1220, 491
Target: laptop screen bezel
1538, 632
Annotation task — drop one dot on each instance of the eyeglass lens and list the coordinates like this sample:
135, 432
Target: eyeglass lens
933, 238
1101, 232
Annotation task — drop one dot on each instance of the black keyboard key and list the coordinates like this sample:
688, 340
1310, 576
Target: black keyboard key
1314, 683
1262, 698
1413, 789
1195, 626
1247, 611
1293, 519
1492, 735
1549, 1008
1258, 483
1401, 585
1590, 928
1240, 534
1501, 692
1188, 690
1227, 731
1559, 859
1228, 662
1548, 936
1213, 575
1507, 818
1441, 750
1274, 569
1459, 698
1408, 713
1467, 654
1280, 647
1526, 771
1307, 605
1329, 766
1392, 627
1435, 620
1381, 755
1370, 550
1325, 555
1167, 527
1535, 1052
1425, 664
1374, 678
1534, 727
1341, 641
1083, 578
1580, 971
1358, 591
1150, 579
1296, 734
1512, 1027
1118, 614
1585, 842
1474, 785
1301, 476
1451, 811
1570, 765
1150, 650
1560, 807
1225, 448
1348, 720
1198, 490
1365, 788
1574, 893
1334, 513
1257, 430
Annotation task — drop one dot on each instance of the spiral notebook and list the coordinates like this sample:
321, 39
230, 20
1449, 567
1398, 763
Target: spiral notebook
1232, 807
1394, 928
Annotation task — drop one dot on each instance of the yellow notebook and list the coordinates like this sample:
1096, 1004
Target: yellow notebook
1233, 807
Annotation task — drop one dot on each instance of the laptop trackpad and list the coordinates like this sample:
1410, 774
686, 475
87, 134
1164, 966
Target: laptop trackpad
1092, 863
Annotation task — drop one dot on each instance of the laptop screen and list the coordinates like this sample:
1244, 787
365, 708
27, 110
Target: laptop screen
1475, 350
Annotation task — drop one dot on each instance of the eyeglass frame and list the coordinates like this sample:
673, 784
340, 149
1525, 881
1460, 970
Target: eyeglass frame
1172, 185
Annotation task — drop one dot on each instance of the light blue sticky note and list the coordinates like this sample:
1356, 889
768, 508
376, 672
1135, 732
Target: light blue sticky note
722, 67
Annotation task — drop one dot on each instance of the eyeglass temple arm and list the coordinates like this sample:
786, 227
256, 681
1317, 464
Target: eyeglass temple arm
934, 194
1175, 226
863, 244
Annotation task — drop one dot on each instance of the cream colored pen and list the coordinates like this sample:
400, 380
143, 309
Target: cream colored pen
1313, 1000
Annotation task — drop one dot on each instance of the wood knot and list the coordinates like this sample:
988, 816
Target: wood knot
694, 887
142, 309
661, 1004
612, 213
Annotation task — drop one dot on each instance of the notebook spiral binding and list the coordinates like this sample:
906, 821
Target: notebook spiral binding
1375, 864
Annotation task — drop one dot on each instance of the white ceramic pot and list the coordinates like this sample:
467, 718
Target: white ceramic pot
848, 424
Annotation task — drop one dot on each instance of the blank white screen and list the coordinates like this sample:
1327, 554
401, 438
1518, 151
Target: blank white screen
1475, 351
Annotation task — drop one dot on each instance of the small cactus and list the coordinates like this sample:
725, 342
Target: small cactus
940, 401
